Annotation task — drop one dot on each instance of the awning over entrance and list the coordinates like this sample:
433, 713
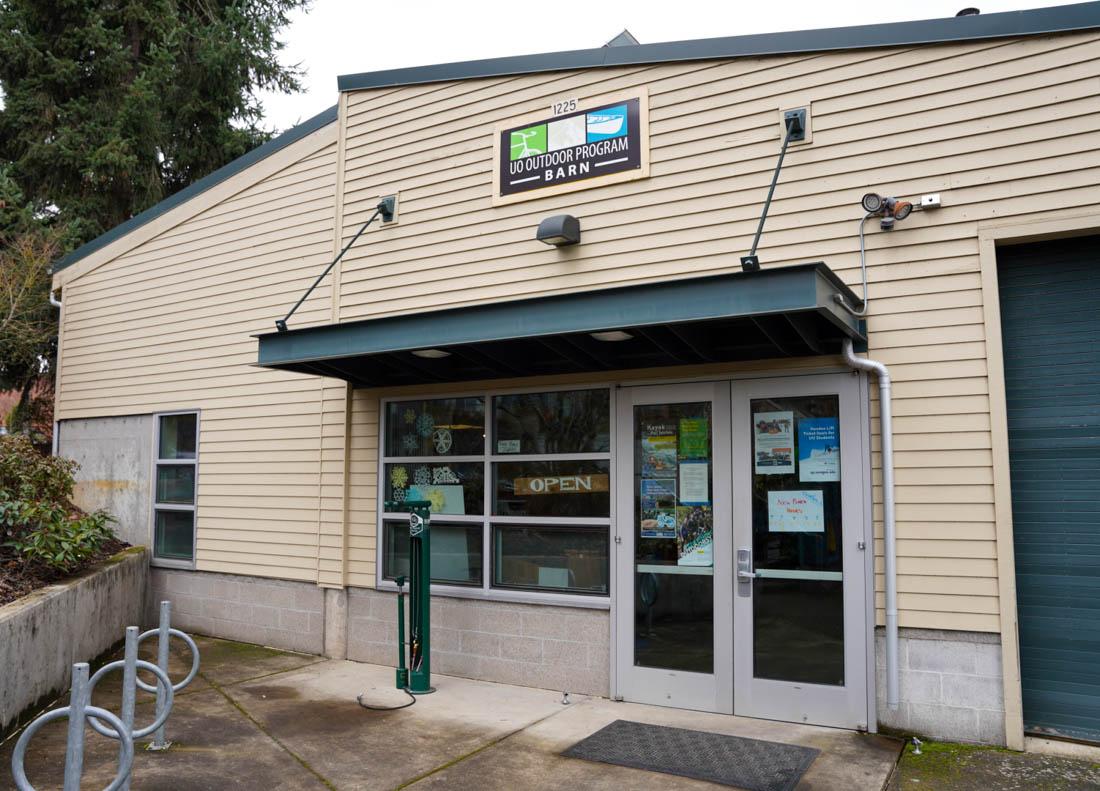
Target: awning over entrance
782, 312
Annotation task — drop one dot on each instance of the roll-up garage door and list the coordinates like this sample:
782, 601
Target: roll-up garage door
1050, 315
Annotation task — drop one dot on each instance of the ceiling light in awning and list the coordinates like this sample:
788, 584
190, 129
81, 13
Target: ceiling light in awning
611, 336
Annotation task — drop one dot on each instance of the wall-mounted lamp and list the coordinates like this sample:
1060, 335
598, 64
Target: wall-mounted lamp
559, 230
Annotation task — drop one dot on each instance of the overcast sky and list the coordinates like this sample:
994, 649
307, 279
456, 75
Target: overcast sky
347, 36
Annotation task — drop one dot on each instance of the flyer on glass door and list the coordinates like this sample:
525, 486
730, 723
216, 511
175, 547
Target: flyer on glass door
773, 436
819, 449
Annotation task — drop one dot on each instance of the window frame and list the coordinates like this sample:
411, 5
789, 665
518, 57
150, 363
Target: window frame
486, 591
154, 506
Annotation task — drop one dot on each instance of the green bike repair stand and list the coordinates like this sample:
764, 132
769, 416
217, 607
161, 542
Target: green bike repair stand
417, 677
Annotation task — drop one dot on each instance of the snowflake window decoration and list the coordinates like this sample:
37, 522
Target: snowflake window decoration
410, 416
437, 499
399, 477
411, 442
422, 476
425, 425
399, 495
441, 439
442, 475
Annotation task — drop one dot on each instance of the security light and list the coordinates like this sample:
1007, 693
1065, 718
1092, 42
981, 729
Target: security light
611, 336
872, 203
431, 354
888, 209
559, 230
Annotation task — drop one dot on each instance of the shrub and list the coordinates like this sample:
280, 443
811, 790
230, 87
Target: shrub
38, 523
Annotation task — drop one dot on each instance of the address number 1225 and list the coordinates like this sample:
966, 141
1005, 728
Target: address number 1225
564, 106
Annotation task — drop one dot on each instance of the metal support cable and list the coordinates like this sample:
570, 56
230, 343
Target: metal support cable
382, 208
791, 127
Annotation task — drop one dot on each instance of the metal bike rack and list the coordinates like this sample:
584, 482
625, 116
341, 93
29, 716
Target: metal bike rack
81, 712
164, 634
77, 711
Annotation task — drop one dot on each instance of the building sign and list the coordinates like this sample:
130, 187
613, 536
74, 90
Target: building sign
572, 149
562, 484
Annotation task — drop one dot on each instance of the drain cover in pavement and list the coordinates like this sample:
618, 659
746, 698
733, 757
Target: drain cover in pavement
731, 760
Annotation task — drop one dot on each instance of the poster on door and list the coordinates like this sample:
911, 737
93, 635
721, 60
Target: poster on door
818, 449
658, 505
658, 450
773, 436
796, 512
694, 536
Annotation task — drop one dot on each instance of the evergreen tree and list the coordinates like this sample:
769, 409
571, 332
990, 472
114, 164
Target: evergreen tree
112, 105
106, 107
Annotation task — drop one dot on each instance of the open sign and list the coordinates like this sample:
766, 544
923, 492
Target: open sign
562, 484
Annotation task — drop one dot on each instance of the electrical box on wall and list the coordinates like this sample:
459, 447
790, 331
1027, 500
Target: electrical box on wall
801, 111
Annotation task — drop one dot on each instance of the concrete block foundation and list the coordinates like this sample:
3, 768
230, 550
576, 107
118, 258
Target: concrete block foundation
532, 645
277, 613
950, 685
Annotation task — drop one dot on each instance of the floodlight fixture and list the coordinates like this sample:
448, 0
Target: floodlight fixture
559, 230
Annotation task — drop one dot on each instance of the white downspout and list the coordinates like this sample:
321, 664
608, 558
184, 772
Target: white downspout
886, 424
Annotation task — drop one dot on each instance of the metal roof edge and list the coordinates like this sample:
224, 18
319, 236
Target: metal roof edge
1037, 21
290, 136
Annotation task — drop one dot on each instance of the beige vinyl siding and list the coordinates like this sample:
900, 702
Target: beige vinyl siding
168, 325
1000, 128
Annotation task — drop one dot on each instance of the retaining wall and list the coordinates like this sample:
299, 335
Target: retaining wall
44, 633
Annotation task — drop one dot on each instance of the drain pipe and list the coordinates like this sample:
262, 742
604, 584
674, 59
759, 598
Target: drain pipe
886, 425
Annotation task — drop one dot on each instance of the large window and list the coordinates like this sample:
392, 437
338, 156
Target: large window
520, 487
175, 473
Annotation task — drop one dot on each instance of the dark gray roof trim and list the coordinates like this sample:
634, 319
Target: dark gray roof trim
1057, 19
292, 135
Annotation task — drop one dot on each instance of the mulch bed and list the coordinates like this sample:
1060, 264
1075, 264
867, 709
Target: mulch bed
18, 579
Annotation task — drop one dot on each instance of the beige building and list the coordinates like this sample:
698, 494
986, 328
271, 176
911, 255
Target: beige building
656, 474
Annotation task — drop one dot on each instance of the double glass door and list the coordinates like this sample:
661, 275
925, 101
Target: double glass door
741, 561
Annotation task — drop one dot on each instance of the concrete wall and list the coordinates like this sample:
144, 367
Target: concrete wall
951, 685
43, 634
278, 613
115, 457
531, 645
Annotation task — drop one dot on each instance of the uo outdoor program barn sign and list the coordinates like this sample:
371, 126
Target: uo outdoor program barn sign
604, 143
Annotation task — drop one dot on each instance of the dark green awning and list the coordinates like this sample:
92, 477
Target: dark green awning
782, 312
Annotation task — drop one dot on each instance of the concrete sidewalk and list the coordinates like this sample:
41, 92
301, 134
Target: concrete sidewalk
256, 718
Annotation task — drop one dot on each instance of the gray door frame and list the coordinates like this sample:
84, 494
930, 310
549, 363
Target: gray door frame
844, 706
680, 689
859, 707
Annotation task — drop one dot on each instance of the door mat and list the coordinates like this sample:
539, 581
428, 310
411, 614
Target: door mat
750, 764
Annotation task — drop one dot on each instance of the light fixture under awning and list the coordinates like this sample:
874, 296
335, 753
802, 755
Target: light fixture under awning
777, 312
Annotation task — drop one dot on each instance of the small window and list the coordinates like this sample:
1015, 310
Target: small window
565, 559
564, 421
175, 476
455, 489
456, 552
440, 427
553, 488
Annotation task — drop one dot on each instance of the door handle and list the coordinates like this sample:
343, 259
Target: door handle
744, 564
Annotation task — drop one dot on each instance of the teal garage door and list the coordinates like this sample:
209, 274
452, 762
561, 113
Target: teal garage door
1050, 315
